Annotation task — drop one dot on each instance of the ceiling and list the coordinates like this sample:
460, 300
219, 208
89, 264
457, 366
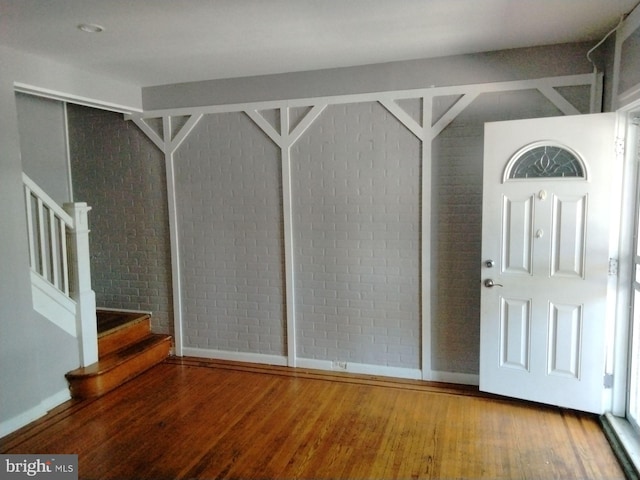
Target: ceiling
153, 42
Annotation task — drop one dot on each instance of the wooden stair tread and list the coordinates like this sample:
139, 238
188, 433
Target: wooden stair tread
118, 367
119, 357
126, 348
112, 321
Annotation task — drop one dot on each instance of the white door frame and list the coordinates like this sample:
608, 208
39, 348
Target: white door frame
618, 358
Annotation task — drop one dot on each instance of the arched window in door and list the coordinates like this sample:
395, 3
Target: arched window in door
545, 160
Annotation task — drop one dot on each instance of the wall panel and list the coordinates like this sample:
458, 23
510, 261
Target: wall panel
356, 222
229, 202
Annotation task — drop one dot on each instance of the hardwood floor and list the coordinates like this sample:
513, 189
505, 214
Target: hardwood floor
191, 418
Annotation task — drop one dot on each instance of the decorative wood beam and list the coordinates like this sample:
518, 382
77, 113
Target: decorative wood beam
265, 126
148, 131
562, 81
185, 131
559, 101
285, 140
450, 115
306, 122
426, 208
403, 117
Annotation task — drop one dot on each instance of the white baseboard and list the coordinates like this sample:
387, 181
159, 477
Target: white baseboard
235, 356
328, 365
19, 421
359, 368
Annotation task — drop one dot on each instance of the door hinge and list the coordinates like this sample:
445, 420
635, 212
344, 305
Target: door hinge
608, 380
613, 267
620, 147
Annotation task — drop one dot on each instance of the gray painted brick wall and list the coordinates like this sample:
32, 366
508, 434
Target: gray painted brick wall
356, 205
118, 172
228, 187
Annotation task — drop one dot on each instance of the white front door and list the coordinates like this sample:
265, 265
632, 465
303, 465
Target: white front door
545, 248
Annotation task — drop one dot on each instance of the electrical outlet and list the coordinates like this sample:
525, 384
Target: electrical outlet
337, 365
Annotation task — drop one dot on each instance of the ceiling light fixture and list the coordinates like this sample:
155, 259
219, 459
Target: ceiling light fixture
91, 28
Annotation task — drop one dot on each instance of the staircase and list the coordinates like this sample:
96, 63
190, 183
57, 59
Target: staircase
126, 348
122, 346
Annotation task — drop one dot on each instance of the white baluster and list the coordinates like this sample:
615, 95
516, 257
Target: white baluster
30, 233
42, 263
54, 251
63, 252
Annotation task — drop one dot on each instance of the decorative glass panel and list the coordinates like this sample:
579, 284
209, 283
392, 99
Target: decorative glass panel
547, 161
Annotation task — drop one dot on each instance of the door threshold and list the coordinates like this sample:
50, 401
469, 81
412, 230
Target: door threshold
625, 443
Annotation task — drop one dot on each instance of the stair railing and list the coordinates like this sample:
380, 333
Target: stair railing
58, 241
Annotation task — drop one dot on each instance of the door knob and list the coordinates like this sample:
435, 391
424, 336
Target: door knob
490, 283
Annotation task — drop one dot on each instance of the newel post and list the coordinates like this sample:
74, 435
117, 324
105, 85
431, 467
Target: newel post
80, 283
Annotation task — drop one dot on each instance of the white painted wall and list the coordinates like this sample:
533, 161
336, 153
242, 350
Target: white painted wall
19, 367
34, 354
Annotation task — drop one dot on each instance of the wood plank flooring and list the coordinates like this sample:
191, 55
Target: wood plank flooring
191, 418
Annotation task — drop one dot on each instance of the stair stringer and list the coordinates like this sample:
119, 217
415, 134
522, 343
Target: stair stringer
53, 305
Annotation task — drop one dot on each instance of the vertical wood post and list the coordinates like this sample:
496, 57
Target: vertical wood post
80, 283
287, 214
